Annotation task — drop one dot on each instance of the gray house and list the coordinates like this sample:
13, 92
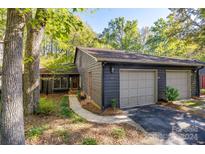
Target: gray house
134, 79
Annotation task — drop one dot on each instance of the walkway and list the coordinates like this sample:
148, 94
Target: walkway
91, 117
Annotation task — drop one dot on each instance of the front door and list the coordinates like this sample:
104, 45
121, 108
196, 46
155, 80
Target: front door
75, 82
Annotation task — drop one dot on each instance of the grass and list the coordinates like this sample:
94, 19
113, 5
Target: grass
63, 134
89, 141
47, 106
66, 127
193, 103
118, 133
66, 112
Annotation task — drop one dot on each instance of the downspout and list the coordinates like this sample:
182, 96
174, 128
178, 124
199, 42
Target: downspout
102, 77
198, 80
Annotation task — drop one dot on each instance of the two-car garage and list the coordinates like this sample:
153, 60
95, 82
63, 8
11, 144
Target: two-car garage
140, 86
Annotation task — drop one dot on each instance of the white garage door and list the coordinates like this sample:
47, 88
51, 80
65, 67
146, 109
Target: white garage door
137, 88
180, 80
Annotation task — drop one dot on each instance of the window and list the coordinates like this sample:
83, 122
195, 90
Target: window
60, 83
64, 83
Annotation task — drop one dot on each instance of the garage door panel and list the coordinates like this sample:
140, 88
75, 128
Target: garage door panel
149, 99
141, 92
149, 75
142, 100
132, 101
149, 91
179, 80
131, 76
132, 84
140, 89
132, 92
124, 84
124, 93
123, 76
124, 102
141, 83
149, 83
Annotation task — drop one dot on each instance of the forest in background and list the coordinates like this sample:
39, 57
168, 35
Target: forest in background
181, 34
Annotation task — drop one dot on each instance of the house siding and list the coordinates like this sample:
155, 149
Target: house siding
202, 71
111, 80
85, 64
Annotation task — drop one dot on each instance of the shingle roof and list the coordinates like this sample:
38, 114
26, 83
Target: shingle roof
108, 55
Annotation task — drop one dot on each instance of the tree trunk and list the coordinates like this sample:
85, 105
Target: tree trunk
35, 32
12, 122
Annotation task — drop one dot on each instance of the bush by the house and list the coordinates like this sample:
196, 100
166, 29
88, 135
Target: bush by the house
171, 93
113, 103
46, 107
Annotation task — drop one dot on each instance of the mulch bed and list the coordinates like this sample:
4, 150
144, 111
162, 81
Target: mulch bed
183, 108
90, 106
76, 132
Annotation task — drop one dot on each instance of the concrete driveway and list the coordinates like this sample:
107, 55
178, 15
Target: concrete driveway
171, 126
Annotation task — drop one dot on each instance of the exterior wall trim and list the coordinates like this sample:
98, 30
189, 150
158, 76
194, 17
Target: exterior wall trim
88, 54
143, 62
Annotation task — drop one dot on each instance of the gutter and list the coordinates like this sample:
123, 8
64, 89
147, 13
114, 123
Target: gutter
148, 62
198, 80
102, 77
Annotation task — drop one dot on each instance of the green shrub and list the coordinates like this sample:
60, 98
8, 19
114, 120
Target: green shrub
118, 133
76, 118
63, 134
89, 141
35, 132
46, 106
171, 93
113, 103
64, 107
65, 111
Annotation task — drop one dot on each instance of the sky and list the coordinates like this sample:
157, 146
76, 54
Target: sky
100, 18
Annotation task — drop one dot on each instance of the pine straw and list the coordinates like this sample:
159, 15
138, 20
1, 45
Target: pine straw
64, 131
90, 106
58, 130
184, 109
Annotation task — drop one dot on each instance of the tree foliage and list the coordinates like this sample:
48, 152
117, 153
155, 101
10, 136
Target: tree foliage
122, 34
59, 43
2, 22
161, 42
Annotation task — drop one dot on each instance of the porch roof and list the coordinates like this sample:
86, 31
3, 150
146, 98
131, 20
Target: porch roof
67, 69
